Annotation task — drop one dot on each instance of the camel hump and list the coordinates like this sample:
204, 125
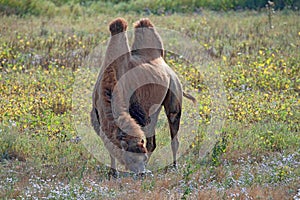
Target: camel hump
144, 23
117, 26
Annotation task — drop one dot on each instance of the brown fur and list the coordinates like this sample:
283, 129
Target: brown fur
125, 116
117, 26
117, 129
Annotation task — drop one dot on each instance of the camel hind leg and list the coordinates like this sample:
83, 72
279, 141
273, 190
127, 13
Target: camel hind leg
172, 107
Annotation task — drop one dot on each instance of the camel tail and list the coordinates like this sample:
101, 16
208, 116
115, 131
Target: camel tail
190, 97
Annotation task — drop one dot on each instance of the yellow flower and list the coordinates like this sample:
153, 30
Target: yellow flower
287, 86
224, 58
193, 145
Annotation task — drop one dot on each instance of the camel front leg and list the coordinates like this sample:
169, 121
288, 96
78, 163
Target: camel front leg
150, 132
113, 168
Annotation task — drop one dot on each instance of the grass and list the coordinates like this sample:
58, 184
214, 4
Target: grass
52, 8
47, 71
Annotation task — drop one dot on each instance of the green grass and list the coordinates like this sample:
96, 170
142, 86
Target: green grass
46, 82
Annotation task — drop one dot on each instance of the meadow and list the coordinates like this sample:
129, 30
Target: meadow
48, 67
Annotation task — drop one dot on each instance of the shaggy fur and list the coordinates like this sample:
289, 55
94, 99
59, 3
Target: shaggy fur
131, 89
108, 126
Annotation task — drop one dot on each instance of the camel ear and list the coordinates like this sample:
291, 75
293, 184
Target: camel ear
124, 145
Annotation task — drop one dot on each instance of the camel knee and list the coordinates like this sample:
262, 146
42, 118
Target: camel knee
150, 147
151, 144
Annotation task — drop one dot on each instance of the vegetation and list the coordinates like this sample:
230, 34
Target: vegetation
88, 7
48, 68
